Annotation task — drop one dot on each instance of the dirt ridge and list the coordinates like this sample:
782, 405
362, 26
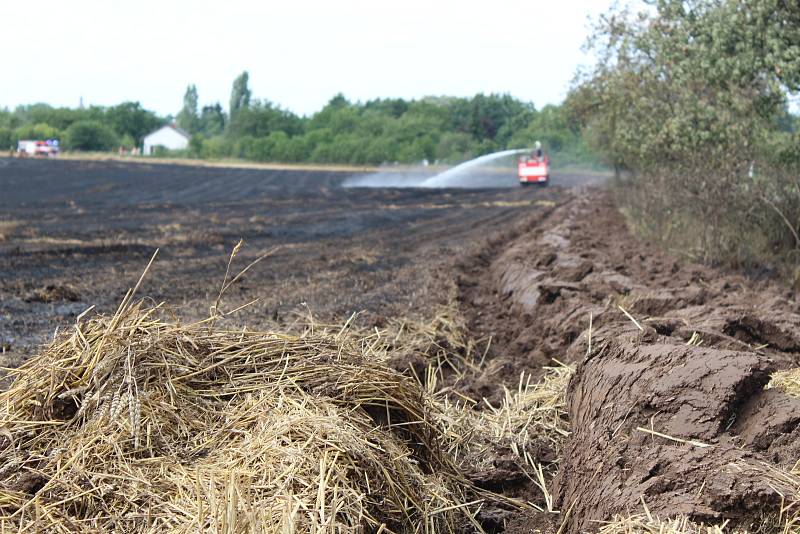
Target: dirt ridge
674, 349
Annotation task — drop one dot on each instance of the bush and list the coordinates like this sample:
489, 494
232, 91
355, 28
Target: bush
39, 131
160, 151
196, 146
90, 136
455, 147
703, 132
215, 148
380, 150
291, 149
127, 141
7, 139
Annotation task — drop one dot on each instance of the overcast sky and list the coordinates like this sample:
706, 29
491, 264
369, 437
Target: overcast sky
299, 52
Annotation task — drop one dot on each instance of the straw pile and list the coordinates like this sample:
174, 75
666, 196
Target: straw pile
788, 381
646, 523
139, 423
649, 524
440, 355
435, 349
527, 421
443, 358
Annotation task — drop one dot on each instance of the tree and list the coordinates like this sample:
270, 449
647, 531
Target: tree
6, 118
263, 118
37, 131
394, 107
455, 147
130, 119
7, 139
90, 135
212, 120
240, 94
188, 118
196, 146
688, 96
695, 77
335, 106
59, 118
488, 114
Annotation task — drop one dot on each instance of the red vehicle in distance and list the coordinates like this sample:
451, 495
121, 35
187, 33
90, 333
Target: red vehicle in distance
534, 170
35, 148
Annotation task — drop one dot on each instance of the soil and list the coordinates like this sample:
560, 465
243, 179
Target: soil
80, 233
688, 361
667, 404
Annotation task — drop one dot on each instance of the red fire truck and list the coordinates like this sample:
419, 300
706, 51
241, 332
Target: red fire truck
534, 171
33, 148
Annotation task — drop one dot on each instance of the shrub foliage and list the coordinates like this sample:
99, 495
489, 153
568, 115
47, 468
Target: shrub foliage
688, 101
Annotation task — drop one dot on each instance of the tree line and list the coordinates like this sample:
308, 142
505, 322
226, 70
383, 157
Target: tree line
436, 129
94, 128
689, 101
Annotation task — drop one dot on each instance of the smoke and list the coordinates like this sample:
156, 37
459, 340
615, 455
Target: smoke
475, 173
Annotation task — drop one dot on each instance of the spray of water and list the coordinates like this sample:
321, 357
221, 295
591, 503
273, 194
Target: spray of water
473, 173
455, 176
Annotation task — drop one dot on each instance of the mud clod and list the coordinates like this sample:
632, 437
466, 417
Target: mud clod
668, 403
624, 396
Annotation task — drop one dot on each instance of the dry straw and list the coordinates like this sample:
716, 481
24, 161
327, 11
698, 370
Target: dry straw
441, 357
136, 423
649, 524
139, 423
788, 381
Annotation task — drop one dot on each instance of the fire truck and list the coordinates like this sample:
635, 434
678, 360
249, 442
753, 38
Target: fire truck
46, 149
533, 170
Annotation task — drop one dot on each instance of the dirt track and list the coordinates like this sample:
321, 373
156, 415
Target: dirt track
529, 269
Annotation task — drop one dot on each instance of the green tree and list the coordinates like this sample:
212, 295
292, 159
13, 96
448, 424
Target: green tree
212, 120
393, 107
188, 117
262, 118
196, 146
455, 147
215, 148
240, 94
695, 77
5, 118
685, 96
7, 138
90, 135
37, 131
131, 120
59, 118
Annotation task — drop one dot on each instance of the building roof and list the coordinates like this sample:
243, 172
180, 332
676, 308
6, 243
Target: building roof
175, 127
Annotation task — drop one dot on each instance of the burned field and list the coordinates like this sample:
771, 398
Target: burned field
516, 361
77, 234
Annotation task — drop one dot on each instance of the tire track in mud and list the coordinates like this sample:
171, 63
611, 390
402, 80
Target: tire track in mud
671, 410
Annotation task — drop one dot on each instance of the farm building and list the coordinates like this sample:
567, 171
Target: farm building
169, 136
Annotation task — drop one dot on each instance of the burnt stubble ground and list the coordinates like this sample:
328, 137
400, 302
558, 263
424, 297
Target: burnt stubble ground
79, 233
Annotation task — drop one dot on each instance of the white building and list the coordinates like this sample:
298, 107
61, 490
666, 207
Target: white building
170, 137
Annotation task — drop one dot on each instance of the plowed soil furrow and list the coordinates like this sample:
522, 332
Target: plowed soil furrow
668, 405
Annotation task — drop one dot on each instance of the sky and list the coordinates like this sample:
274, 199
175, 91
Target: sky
299, 53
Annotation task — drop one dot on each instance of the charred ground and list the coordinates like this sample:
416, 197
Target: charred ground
76, 234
